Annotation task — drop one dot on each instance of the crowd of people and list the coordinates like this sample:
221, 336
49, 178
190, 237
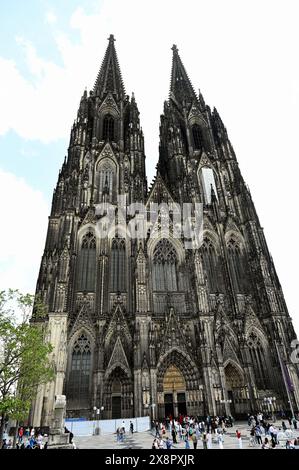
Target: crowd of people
30, 438
195, 432
261, 426
191, 430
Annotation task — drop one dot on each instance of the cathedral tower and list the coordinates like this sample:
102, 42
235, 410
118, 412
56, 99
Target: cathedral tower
141, 323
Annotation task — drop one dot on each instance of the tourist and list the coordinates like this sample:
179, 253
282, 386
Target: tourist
161, 443
204, 441
187, 444
209, 440
155, 444
168, 443
194, 440
266, 444
258, 435
220, 440
295, 423
20, 434
180, 431
252, 439
238, 434
131, 427
39, 441
173, 433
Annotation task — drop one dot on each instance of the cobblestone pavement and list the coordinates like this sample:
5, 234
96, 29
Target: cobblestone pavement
144, 440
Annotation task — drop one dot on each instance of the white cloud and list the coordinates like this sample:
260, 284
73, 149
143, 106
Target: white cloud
24, 213
241, 55
50, 17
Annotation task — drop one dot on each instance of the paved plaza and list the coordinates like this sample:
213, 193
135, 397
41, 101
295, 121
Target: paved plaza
144, 440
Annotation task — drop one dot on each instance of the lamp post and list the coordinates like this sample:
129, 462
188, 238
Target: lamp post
94, 419
98, 414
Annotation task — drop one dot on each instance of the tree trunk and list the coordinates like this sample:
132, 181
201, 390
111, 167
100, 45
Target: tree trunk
15, 435
2, 426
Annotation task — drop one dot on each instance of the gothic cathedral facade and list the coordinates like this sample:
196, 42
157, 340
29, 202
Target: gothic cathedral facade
145, 326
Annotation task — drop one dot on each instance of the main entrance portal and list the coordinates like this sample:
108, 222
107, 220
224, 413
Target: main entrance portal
116, 399
174, 389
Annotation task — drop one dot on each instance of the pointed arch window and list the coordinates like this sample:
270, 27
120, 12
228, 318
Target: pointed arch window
165, 267
258, 359
80, 372
106, 181
87, 264
197, 138
118, 266
212, 266
108, 128
208, 183
238, 267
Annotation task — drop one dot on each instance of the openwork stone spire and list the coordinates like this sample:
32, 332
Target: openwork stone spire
109, 78
180, 85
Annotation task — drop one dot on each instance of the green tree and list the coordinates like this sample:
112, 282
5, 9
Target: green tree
24, 355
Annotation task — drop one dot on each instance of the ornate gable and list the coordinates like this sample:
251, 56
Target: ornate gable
83, 320
118, 356
109, 105
173, 335
229, 352
118, 325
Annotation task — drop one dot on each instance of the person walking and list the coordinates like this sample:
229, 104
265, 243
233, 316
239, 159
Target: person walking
194, 440
238, 434
204, 441
168, 443
20, 434
220, 440
209, 440
187, 444
173, 433
258, 435
131, 427
252, 439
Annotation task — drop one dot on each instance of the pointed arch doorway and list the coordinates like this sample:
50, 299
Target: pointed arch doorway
236, 391
174, 389
116, 398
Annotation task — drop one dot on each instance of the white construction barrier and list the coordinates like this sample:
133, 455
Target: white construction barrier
88, 428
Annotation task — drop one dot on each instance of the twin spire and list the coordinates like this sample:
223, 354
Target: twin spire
181, 88
109, 78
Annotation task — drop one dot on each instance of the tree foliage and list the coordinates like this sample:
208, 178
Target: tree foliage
24, 354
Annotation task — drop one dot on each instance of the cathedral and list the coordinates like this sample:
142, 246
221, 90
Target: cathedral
148, 325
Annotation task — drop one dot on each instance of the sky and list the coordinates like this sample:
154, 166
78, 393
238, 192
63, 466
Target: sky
242, 55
